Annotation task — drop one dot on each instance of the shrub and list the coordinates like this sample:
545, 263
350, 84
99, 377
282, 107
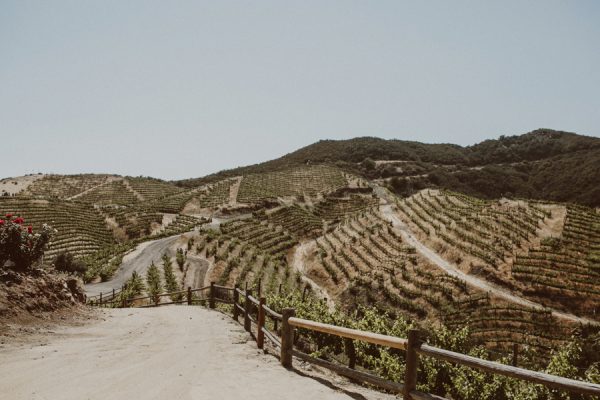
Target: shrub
153, 282
170, 279
65, 262
180, 258
20, 244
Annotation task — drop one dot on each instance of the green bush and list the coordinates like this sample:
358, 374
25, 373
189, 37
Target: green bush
65, 262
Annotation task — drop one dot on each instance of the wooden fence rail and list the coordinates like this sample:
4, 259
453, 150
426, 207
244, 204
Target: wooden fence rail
255, 311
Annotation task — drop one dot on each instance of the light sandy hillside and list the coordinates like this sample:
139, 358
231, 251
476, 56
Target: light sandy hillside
12, 186
163, 353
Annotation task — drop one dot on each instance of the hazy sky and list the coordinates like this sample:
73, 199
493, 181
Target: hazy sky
177, 89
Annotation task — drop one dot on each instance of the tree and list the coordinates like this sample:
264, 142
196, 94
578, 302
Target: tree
170, 279
20, 244
180, 258
135, 284
153, 282
65, 262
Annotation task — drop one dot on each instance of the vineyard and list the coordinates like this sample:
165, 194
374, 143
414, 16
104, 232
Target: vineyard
298, 182
63, 186
548, 252
150, 188
296, 220
216, 195
565, 271
80, 229
248, 262
112, 192
317, 233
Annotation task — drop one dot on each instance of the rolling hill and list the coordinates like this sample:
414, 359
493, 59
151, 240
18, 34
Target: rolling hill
543, 164
498, 238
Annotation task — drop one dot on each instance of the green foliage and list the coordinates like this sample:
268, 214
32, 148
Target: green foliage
544, 164
154, 283
437, 377
20, 244
170, 279
135, 284
180, 258
65, 262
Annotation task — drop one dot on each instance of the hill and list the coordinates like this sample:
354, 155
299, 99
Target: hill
320, 224
543, 164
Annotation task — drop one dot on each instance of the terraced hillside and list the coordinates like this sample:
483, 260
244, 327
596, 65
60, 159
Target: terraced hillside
296, 182
64, 186
81, 230
565, 270
296, 220
101, 217
240, 261
150, 188
324, 232
114, 192
530, 247
364, 261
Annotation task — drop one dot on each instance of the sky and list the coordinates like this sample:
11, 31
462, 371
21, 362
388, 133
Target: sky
179, 89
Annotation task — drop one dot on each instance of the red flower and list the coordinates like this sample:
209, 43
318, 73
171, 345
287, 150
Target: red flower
1, 222
19, 220
8, 216
29, 229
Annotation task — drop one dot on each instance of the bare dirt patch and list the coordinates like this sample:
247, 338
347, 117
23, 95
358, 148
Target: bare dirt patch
12, 186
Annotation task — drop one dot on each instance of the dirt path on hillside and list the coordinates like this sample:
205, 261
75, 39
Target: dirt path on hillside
171, 352
139, 260
197, 271
233, 191
453, 270
106, 181
298, 264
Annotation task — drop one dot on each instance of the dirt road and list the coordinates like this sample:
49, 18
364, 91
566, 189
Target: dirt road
450, 269
298, 264
138, 260
171, 352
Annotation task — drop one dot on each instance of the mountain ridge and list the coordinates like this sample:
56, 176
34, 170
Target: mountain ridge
507, 166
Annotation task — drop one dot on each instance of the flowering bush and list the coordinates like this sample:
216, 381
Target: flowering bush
19, 244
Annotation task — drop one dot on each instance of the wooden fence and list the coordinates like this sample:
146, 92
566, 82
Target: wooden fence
255, 312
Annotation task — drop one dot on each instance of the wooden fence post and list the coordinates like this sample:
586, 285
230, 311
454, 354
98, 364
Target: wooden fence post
236, 301
412, 363
189, 296
260, 335
515, 358
100, 299
113, 296
247, 306
287, 337
211, 298
258, 288
350, 352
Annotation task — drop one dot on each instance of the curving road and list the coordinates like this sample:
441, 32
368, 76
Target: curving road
451, 269
138, 260
145, 253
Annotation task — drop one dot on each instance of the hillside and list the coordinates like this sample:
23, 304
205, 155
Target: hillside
333, 241
543, 164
